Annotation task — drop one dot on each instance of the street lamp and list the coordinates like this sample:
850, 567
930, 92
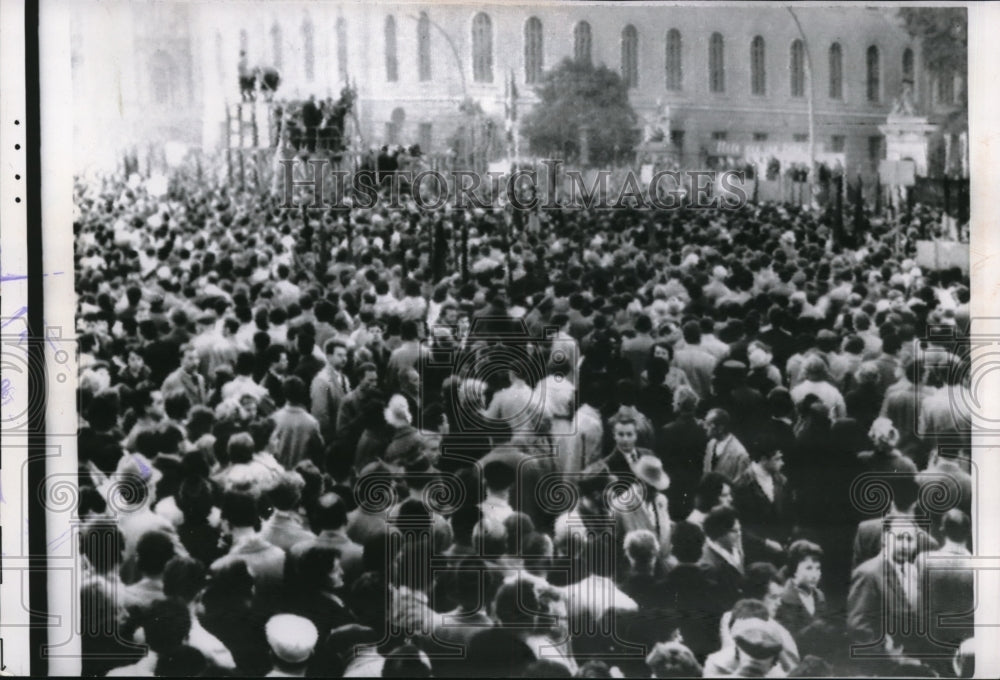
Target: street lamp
454, 50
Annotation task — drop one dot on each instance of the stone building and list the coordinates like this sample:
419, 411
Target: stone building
731, 80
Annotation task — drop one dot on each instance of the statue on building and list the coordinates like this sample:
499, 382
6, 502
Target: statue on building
904, 104
657, 128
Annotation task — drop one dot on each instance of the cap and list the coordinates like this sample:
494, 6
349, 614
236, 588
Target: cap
757, 638
292, 638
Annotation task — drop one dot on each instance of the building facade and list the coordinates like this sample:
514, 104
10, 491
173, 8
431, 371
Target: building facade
731, 80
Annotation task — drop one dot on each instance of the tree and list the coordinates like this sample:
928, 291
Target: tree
574, 94
944, 34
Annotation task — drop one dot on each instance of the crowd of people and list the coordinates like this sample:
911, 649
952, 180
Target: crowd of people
617, 444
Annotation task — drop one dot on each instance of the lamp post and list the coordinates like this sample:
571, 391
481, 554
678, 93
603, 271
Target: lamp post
454, 50
810, 96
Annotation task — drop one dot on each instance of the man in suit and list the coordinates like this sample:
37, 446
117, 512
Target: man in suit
681, 447
626, 454
868, 538
350, 420
722, 556
186, 379
883, 599
725, 453
759, 494
948, 583
329, 388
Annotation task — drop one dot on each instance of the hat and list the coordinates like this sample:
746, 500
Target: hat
292, 638
650, 470
757, 638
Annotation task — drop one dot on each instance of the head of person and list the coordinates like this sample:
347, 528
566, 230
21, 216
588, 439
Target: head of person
183, 578
295, 391
687, 542
153, 551
641, 549
691, 332
763, 582
625, 434
329, 513
956, 526
367, 377
336, 353
239, 511
190, 360
758, 644
292, 639
673, 660
319, 569
240, 448
685, 401
166, 624
717, 423
883, 434
805, 563
900, 538
758, 354
722, 526
713, 490
770, 458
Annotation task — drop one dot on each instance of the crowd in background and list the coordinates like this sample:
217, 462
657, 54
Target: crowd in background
613, 444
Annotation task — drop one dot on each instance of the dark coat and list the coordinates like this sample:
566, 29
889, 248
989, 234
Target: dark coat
793, 615
681, 447
726, 580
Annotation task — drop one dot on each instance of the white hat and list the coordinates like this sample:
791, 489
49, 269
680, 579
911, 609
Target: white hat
292, 638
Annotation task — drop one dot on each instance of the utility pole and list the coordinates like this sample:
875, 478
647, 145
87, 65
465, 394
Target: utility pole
810, 97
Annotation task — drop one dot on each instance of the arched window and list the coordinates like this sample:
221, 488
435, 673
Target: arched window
424, 47
391, 62
342, 48
872, 79
836, 72
675, 75
308, 47
758, 73
630, 56
582, 42
394, 127
797, 67
482, 48
908, 64
163, 78
276, 51
533, 55
716, 64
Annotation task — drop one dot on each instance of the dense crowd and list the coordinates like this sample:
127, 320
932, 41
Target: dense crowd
616, 443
